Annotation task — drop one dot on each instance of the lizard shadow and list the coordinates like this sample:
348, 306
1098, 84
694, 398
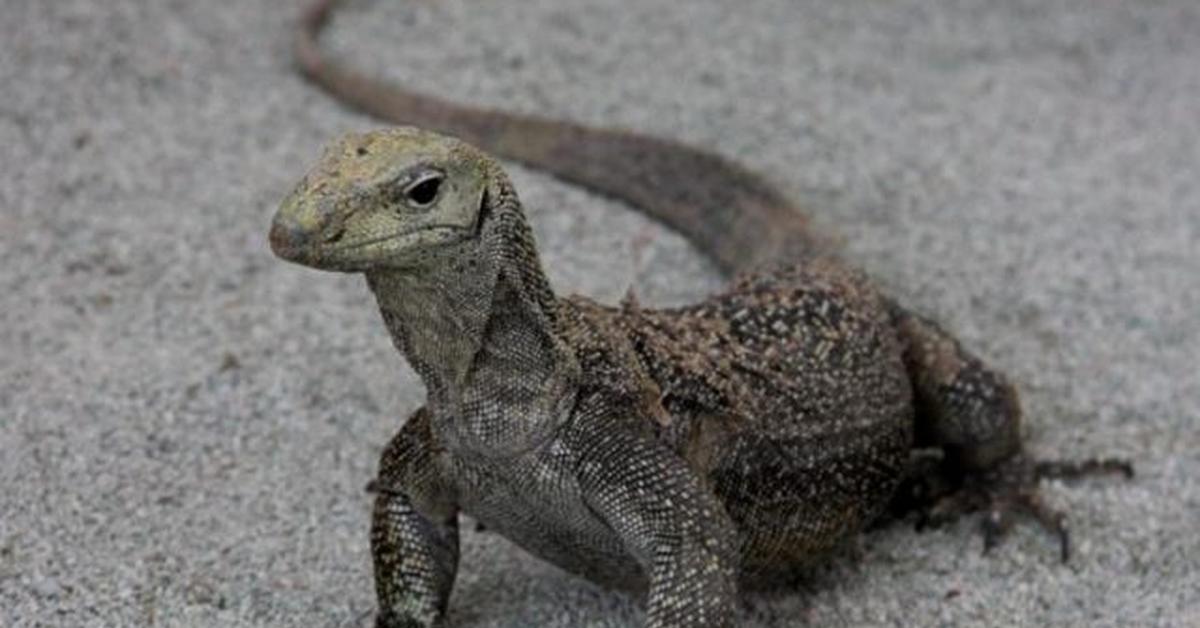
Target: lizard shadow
499, 585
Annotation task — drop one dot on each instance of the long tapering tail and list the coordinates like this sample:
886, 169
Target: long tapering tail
732, 214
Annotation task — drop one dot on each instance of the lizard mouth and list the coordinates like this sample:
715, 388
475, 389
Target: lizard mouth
441, 234
335, 254
307, 238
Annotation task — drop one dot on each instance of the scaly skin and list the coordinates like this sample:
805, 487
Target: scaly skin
674, 452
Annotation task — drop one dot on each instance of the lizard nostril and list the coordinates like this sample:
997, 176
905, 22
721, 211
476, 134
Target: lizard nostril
335, 236
286, 237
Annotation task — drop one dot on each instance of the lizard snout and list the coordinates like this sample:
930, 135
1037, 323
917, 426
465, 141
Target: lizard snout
296, 230
287, 237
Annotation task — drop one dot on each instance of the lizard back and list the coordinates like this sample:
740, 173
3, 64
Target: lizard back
786, 392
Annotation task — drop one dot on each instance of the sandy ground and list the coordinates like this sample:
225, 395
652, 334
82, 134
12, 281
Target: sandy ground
186, 424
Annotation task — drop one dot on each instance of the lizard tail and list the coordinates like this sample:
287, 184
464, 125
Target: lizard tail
733, 215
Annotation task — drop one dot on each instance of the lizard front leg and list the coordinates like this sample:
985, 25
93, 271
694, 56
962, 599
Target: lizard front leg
678, 531
414, 532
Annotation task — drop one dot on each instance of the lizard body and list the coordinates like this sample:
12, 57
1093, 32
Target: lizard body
681, 453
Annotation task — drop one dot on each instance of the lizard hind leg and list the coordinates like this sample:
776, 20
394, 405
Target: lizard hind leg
968, 410
972, 413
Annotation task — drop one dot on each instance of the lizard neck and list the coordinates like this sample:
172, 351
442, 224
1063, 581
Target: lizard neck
482, 328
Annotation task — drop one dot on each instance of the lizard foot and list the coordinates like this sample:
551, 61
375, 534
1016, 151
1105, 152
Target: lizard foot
1002, 494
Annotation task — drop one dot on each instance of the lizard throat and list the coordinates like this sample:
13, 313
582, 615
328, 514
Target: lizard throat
481, 330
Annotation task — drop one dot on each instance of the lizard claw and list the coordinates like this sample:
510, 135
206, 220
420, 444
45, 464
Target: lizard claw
1017, 493
1011, 489
1072, 469
999, 520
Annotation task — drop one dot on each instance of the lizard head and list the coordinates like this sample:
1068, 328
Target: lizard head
384, 199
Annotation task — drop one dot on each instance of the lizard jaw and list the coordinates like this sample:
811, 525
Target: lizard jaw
297, 243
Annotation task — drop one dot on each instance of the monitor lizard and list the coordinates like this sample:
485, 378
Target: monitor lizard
680, 453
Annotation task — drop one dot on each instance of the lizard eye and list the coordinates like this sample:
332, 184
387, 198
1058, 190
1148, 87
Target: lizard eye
422, 192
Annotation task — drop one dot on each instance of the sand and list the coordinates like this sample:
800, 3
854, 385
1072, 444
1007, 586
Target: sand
187, 424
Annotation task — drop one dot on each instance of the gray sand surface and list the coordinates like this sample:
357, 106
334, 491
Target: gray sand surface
187, 424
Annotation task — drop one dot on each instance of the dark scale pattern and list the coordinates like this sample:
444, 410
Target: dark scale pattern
968, 409
787, 396
677, 453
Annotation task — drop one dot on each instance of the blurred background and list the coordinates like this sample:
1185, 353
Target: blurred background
187, 424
